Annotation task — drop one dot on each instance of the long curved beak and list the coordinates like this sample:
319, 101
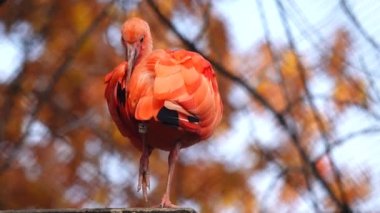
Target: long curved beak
132, 53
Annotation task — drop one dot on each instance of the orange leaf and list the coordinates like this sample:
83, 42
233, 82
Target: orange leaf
336, 62
273, 93
349, 92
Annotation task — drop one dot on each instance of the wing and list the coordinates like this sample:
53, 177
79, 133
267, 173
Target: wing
116, 96
182, 91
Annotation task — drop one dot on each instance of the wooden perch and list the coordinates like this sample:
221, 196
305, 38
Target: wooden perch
104, 210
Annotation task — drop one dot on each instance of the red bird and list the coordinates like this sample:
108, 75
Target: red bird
164, 99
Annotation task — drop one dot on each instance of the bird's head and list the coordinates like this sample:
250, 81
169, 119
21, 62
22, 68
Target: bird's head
137, 40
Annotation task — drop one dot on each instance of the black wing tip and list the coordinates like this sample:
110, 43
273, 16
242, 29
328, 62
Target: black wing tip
120, 94
168, 116
193, 119
172, 117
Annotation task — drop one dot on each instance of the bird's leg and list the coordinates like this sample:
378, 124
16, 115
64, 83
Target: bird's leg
144, 182
173, 156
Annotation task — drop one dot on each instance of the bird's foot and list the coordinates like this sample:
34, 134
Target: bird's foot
166, 203
144, 176
144, 184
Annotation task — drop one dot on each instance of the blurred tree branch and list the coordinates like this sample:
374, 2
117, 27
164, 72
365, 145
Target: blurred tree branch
44, 96
14, 87
349, 136
283, 171
342, 205
358, 25
286, 93
319, 44
205, 22
375, 97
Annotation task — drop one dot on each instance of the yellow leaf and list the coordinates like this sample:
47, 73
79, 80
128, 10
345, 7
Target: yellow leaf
291, 70
312, 123
349, 92
289, 66
167, 7
273, 93
81, 15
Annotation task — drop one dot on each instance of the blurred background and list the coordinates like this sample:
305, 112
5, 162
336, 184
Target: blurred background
301, 126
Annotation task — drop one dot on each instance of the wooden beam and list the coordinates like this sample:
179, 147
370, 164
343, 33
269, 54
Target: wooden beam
104, 210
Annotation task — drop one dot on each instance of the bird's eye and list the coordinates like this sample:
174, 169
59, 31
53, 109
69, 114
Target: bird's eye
142, 39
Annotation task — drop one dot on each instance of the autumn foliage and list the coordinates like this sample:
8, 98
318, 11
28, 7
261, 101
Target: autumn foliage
59, 147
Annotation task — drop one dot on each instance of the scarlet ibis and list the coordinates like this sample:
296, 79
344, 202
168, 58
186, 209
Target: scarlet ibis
163, 99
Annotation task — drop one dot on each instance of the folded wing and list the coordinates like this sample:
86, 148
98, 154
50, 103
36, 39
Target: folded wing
177, 88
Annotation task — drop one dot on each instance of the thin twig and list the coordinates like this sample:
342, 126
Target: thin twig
370, 79
319, 39
286, 92
343, 139
358, 25
342, 205
206, 22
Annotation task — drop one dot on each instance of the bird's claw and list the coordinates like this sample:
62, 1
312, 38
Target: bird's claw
144, 184
166, 203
